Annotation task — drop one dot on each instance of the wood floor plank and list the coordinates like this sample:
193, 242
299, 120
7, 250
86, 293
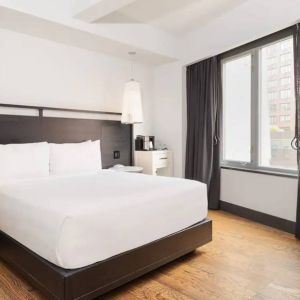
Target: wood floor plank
13, 286
276, 292
227, 285
246, 260
154, 290
119, 295
190, 285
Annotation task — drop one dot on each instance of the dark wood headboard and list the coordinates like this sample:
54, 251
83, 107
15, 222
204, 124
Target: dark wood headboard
114, 136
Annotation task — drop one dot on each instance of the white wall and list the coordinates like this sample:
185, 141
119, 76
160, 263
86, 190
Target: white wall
167, 111
34, 71
273, 195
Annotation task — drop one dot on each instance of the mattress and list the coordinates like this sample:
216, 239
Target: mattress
75, 221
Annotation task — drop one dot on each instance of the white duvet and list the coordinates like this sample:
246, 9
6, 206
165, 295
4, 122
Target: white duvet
74, 221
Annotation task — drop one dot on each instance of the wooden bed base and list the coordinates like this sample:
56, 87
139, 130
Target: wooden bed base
99, 278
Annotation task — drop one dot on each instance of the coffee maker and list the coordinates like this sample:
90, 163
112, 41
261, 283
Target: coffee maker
144, 143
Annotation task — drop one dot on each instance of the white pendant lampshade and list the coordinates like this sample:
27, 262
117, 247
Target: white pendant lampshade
132, 111
132, 103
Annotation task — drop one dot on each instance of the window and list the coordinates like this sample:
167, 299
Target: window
258, 131
285, 106
285, 45
272, 52
273, 107
272, 83
286, 69
237, 116
285, 118
272, 61
274, 140
285, 58
285, 81
284, 94
272, 72
273, 120
272, 95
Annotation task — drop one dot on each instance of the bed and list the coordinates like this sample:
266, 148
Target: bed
79, 236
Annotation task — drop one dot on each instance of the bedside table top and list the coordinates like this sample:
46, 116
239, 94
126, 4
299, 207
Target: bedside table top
130, 169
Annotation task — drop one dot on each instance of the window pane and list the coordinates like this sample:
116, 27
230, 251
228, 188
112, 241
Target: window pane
277, 106
237, 109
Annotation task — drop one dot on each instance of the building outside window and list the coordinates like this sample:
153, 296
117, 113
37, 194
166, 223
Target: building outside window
273, 107
285, 58
285, 106
273, 61
286, 69
272, 83
284, 94
273, 120
285, 46
272, 95
272, 72
285, 81
285, 118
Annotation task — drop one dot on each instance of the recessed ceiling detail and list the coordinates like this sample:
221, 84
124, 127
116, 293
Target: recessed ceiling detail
93, 10
175, 16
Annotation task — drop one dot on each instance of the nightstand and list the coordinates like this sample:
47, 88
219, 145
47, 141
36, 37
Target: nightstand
156, 162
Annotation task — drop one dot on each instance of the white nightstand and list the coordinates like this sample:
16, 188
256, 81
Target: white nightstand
157, 162
129, 169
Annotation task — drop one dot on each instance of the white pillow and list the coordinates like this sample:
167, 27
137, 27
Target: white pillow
73, 158
24, 160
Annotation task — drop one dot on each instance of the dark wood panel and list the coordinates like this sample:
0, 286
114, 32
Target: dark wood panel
116, 138
20, 129
113, 135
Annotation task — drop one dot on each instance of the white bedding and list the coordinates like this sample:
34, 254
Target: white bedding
74, 221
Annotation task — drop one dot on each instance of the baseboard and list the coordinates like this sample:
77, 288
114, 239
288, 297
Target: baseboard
259, 217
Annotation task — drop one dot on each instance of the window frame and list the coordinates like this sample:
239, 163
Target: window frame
254, 51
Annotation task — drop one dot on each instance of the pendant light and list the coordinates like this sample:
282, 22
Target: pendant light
132, 112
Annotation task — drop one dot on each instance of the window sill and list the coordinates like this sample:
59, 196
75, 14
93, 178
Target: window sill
264, 172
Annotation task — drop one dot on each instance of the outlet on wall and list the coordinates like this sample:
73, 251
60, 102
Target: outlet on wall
117, 154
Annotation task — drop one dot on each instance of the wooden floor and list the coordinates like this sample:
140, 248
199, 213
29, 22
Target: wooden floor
245, 261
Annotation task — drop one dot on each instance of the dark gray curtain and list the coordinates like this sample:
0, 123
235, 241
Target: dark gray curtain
204, 111
296, 140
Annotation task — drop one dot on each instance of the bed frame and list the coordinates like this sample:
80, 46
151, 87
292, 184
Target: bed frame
99, 278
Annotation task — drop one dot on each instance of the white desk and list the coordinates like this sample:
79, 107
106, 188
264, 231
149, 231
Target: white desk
157, 162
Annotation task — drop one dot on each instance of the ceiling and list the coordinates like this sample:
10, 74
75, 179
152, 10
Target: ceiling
174, 16
160, 31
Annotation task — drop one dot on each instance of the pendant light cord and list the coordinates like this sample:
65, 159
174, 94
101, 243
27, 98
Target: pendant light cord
132, 54
132, 70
